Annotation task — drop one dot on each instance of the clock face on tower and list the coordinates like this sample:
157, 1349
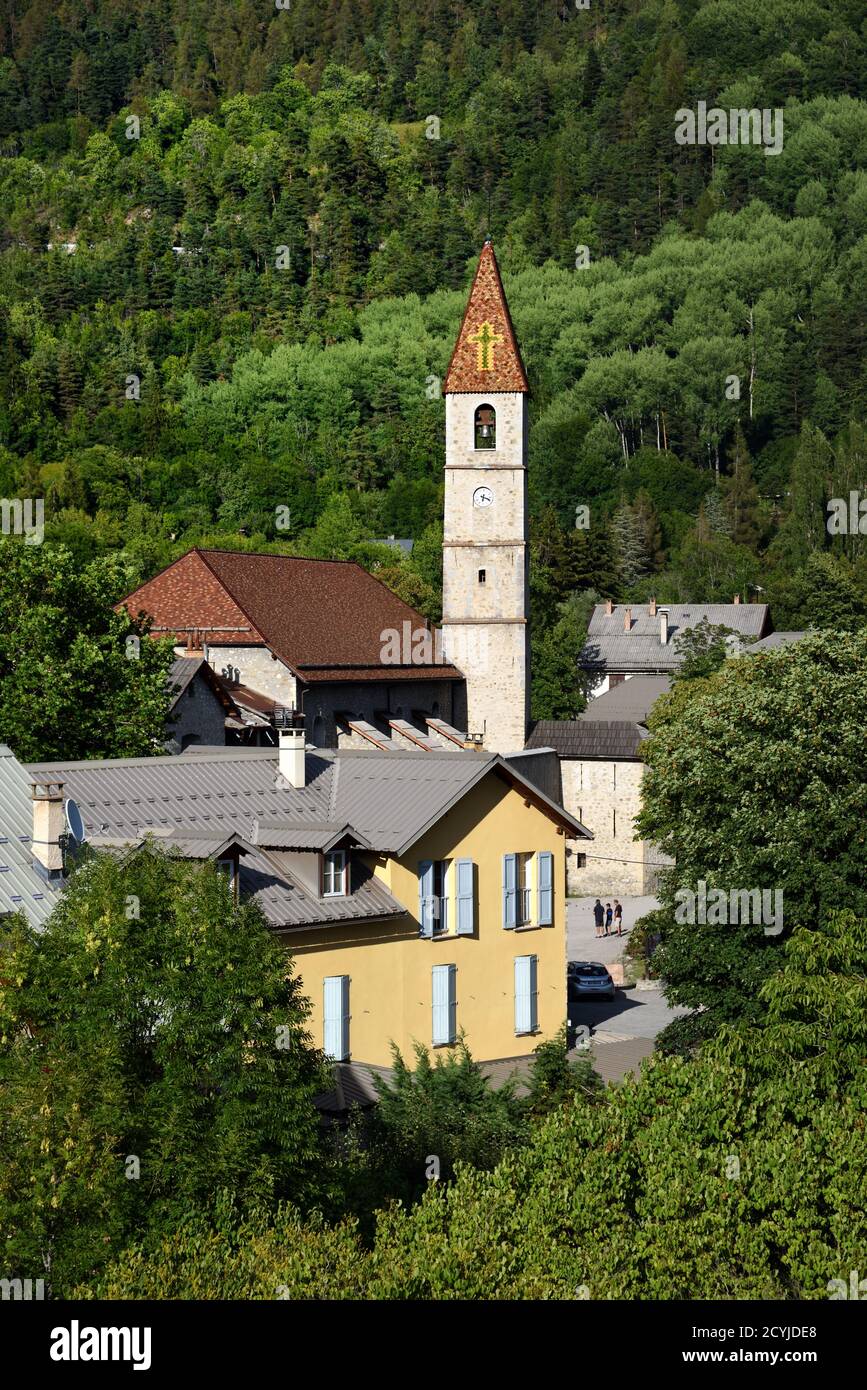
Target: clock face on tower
482, 497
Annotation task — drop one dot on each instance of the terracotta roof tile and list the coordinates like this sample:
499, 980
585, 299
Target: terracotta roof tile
323, 618
486, 356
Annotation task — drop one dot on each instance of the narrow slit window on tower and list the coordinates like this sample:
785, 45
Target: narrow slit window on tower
486, 427
482, 576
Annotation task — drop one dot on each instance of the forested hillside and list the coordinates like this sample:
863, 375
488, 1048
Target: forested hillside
236, 243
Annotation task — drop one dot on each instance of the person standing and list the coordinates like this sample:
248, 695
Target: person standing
618, 917
598, 916
608, 917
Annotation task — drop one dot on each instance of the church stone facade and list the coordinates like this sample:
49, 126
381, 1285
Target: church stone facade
485, 541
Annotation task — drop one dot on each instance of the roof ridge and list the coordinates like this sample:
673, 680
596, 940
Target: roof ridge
332, 798
203, 557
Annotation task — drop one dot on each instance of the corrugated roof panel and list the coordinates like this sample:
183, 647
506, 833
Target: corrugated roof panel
23, 888
389, 797
268, 878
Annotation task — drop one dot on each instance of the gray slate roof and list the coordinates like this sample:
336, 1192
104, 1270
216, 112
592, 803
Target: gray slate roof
617, 740
403, 543
610, 648
632, 699
181, 672
774, 640
23, 886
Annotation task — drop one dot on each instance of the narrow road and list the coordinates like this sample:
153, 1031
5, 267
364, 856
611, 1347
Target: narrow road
621, 1031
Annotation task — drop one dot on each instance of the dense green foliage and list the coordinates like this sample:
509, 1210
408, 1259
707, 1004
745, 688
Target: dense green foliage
739, 1174
235, 246
77, 680
241, 327
444, 1112
702, 650
756, 778
153, 1049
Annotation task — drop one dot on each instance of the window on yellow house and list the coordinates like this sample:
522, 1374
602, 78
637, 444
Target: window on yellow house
433, 897
528, 890
524, 886
334, 874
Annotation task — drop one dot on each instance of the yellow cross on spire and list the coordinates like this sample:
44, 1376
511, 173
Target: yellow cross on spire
486, 340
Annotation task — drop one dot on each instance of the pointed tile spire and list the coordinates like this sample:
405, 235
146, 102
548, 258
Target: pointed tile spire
486, 356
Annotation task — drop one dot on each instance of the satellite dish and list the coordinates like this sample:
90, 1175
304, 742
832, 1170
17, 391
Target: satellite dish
75, 822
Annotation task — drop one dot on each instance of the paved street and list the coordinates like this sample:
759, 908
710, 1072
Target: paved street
622, 1030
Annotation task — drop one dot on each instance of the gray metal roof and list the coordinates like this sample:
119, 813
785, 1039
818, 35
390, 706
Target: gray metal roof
610, 647
187, 846
23, 885
284, 835
267, 876
632, 699
386, 799
772, 641
211, 791
609, 740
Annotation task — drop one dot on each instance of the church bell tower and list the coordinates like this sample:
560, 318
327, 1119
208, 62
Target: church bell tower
485, 553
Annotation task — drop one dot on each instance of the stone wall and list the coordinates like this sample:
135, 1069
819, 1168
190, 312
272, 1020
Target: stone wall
198, 717
256, 668
606, 797
370, 700
485, 630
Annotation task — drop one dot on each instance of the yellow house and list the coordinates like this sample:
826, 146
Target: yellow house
481, 947
423, 895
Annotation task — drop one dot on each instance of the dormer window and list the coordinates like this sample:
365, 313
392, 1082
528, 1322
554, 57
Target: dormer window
229, 867
486, 427
334, 874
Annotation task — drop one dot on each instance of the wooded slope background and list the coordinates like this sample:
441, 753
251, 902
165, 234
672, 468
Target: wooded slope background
278, 262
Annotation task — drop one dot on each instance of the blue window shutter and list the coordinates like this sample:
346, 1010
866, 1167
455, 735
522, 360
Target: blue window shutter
336, 1017
444, 1004
453, 1003
534, 992
510, 880
466, 897
546, 889
345, 1015
425, 897
526, 990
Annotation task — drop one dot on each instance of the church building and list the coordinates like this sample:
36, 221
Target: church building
327, 639
485, 550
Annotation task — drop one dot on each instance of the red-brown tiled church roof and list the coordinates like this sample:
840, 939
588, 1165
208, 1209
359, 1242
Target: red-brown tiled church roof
323, 618
486, 356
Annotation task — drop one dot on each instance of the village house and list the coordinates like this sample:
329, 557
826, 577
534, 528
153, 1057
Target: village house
601, 771
422, 897
625, 641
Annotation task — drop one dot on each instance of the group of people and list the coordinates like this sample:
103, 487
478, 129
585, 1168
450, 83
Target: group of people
608, 918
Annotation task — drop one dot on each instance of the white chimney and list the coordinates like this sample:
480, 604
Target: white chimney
663, 627
49, 823
737, 598
627, 619
291, 743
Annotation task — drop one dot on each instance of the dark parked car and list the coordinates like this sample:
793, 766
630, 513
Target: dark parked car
588, 977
